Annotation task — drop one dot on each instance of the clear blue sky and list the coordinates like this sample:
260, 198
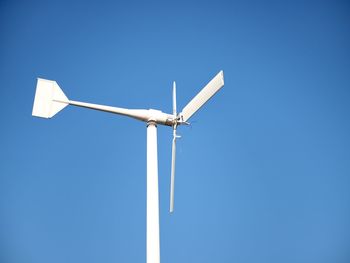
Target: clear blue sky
263, 173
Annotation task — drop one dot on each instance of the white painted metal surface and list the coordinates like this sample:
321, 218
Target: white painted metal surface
153, 251
139, 114
49, 99
143, 115
203, 96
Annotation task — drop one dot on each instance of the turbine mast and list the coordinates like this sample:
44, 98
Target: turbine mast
152, 235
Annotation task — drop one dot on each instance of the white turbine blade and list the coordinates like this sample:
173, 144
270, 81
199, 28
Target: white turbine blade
203, 96
172, 178
174, 99
49, 99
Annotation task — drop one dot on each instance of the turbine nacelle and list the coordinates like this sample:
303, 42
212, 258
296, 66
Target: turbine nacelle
160, 117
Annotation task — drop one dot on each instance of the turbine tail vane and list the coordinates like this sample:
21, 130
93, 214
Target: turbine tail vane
49, 99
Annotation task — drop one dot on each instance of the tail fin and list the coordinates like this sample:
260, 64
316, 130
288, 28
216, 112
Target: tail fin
49, 99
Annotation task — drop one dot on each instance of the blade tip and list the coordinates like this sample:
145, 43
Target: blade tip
222, 76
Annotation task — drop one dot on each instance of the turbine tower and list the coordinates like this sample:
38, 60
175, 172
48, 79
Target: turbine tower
50, 99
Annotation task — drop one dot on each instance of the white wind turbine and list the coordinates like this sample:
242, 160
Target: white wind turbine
50, 99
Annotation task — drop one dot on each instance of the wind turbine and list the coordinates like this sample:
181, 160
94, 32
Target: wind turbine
50, 99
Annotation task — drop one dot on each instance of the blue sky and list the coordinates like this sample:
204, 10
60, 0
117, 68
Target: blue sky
263, 172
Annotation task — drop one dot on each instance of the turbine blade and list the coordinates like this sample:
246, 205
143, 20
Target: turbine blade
172, 178
203, 96
174, 99
49, 99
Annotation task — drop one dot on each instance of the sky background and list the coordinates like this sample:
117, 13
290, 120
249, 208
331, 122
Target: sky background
263, 172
